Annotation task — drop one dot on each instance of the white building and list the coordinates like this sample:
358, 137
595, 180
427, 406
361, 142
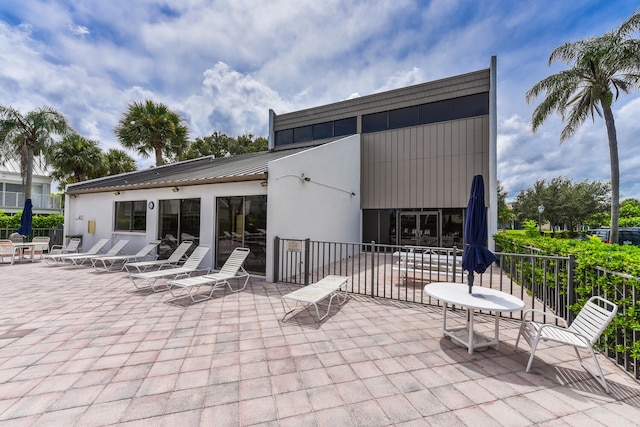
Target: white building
393, 167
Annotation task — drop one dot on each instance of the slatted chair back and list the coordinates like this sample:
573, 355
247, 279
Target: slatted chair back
594, 318
177, 255
234, 262
195, 258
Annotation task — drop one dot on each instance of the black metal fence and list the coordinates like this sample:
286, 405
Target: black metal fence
56, 234
543, 282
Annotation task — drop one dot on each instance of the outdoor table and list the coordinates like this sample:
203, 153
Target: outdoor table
22, 246
480, 299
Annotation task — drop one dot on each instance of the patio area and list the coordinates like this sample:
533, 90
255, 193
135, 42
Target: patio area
82, 348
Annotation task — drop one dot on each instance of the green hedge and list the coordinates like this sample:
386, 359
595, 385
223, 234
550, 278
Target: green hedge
39, 221
590, 254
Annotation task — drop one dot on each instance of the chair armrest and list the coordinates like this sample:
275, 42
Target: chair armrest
544, 315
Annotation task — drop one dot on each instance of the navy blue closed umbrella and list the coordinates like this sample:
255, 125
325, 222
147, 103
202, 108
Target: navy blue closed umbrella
25, 222
476, 257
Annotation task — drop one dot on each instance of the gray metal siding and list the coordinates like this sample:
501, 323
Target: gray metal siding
428, 166
453, 87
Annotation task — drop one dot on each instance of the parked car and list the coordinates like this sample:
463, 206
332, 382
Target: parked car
626, 236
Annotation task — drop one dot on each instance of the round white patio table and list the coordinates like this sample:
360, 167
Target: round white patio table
480, 299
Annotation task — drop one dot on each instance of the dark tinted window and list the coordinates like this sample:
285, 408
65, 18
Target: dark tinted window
323, 130
403, 117
435, 112
131, 216
374, 122
471, 106
345, 127
303, 134
284, 137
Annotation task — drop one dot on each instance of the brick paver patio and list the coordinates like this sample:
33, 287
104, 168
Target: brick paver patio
83, 348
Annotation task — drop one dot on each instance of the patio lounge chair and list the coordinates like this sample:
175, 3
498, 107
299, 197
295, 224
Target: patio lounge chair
80, 259
173, 261
190, 266
583, 332
59, 258
232, 269
72, 247
7, 251
106, 262
329, 287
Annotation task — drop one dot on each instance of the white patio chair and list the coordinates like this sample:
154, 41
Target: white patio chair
173, 261
232, 269
583, 332
72, 247
41, 245
60, 258
190, 266
107, 262
7, 251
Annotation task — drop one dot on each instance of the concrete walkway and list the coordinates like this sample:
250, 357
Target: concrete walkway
81, 348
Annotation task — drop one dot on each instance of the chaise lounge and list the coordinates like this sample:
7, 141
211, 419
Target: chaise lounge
232, 269
329, 287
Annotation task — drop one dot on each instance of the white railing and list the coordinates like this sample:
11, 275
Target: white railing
10, 199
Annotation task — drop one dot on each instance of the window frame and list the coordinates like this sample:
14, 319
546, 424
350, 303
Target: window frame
137, 209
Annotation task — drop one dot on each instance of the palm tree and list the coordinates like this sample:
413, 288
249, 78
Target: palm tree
25, 137
152, 127
76, 159
118, 162
600, 68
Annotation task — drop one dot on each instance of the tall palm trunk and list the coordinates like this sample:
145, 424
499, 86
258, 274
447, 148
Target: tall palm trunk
615, 170
28, 168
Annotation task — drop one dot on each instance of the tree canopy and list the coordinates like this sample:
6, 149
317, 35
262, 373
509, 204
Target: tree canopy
220, 145
149, 127
600, 68
30, 136
564, 202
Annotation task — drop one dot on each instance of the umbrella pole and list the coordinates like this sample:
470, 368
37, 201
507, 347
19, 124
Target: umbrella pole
470, 280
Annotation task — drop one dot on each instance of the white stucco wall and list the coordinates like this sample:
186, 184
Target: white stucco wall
99, 207
322, 208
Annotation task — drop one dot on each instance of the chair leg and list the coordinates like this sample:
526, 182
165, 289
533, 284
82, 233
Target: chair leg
534, 346
599, 375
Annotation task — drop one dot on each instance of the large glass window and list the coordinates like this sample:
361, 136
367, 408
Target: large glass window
284, 137
323, 130
179, 221
303, 134
242, 222
471, 106
130, 216
375, 122
434, 112
347, 126
403, 117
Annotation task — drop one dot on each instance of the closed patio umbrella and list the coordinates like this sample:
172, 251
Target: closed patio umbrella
476, 257
25, 222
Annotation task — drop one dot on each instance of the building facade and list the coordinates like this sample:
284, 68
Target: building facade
393, 167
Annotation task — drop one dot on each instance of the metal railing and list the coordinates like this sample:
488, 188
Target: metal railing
10, 199
55, 234
543, 282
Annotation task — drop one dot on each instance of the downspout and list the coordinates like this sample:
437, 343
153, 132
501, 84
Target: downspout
493, 150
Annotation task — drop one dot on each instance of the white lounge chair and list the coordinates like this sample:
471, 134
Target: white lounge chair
72, 247
106, 262
232, 269
583, 332
59, 258
328, 287
190, 266
80, 259
173, 261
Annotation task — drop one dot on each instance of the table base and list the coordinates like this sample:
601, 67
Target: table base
460, 337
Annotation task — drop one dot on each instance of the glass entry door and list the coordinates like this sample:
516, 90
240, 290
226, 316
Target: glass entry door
419, 228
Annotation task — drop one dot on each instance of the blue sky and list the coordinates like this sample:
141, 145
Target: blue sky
223, 64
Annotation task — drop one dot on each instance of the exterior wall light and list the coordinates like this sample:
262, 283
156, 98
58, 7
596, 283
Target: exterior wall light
175, 189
